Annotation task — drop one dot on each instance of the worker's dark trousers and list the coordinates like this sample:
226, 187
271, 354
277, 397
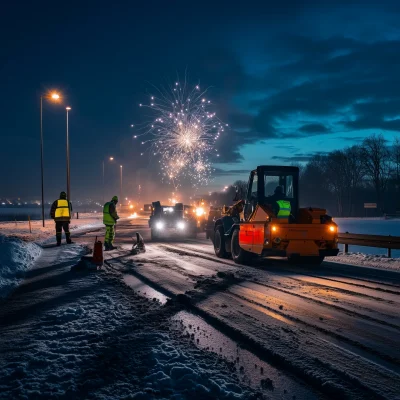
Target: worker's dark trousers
60, 225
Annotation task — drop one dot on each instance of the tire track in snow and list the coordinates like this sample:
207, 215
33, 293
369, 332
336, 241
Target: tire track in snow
296, 313
338, 362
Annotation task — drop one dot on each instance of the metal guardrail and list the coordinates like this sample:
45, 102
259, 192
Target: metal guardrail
382, 242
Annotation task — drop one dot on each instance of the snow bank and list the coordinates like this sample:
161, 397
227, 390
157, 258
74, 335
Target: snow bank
367, 260
16, 257
42, 234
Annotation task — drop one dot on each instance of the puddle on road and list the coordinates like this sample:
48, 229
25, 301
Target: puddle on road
145, 290
250, 369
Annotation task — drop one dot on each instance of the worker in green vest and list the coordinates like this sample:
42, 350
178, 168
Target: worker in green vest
61, 211
110, 218
281, 206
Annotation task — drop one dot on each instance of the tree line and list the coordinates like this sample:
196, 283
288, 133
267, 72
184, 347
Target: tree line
343, 180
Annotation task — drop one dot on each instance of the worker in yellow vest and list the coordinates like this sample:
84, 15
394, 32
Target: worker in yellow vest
280, 203
110, 218
61, 213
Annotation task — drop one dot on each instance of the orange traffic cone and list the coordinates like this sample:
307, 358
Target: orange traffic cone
98, 252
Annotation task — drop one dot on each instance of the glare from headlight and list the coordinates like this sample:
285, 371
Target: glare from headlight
160, 225
181, 225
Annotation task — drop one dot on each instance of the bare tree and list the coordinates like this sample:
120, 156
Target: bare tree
335, 173
396, 159
314, 189
355, 172
376, 160
241, 187
300, 166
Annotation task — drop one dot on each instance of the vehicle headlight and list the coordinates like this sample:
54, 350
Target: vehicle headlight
199, 211
181, 225
332, 228
160, 225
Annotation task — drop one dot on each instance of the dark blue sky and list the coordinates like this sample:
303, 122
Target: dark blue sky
291, 78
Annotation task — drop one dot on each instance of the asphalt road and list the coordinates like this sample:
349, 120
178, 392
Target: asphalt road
335, 327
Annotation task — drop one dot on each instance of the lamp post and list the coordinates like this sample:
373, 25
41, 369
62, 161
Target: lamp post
110, 159
55, 97
68, 164
120, 186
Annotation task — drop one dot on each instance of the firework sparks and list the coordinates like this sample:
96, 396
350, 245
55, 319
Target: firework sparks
182, 133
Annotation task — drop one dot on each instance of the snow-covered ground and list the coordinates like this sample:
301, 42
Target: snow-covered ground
79, 335
369, 256
16, 257
39, 233
19, 248
308, 332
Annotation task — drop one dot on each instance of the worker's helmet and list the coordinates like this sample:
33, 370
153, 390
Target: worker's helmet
115, 199
278, 190
63, 195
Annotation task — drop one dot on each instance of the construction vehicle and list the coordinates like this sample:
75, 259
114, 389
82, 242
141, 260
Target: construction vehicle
255, 227
171, 220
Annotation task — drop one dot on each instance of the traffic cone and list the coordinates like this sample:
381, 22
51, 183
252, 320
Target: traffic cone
98, 252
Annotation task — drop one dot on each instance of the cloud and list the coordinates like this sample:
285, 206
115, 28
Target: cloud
314, 128
377, 123
355, 139
230, 172
345, 82
292, 158
300, 157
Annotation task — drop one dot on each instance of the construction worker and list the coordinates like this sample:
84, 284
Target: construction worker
110, 218
61, 211
280, 203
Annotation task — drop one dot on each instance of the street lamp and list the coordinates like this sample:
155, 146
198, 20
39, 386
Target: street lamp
68, 171
120, 186
110, 159
55, 97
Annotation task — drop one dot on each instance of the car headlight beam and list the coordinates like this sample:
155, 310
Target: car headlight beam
181, 225
160, 225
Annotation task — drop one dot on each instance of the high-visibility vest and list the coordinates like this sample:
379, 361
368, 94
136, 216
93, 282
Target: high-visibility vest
107, 217
284, 209
62, 211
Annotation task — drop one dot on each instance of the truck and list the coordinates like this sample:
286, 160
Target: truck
171, 220
254, 227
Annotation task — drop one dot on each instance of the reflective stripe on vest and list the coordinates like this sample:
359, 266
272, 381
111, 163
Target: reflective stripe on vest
62, 210
107, 217
284, 209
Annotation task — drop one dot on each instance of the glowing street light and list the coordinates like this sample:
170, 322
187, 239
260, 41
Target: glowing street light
120, 185
68, 164
55, 97
109, 159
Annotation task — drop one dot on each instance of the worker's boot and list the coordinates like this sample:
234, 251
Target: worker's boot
112, 247
106, 246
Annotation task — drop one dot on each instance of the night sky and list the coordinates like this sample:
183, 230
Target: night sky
292, 78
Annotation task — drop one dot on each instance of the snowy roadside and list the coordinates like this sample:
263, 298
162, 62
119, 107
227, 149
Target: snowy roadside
88, 336
39, 234
16, 257
367, 260
19, 248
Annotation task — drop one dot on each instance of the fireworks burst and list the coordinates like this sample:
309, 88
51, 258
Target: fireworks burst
183, 132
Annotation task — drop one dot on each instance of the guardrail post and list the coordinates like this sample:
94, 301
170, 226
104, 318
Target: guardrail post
77, 215
346, 248
389, 253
